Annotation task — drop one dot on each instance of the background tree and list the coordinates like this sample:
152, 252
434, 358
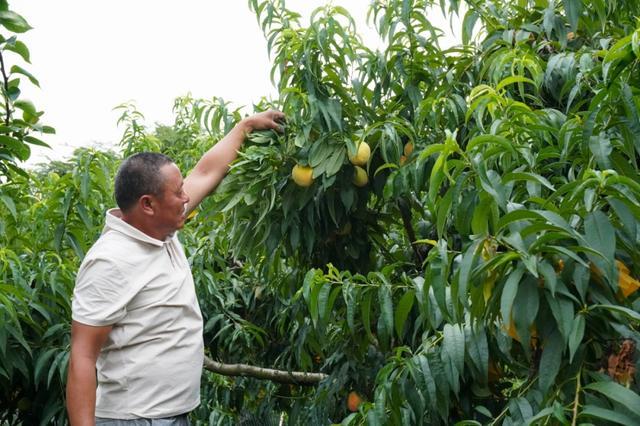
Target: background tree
16, 131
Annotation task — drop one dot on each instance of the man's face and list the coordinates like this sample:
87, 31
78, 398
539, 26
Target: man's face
171, 204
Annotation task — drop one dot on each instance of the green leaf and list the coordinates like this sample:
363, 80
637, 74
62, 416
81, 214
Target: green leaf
619, 394
573, 9
436, 276
13, 91
373, 419
525, 309
517, 216
349, 295
530, 177
581, 276
520, 408
403, 310
379, 406
550, 279
442, 214
607, 415
307, 283
513, 80
601, 236
334, 108
546, 412
466, 266
19, 70
53, 330
575, 338
323, 302
491, 183
16, 147
478, 349
483, 410
600, 7
430, 150
437, 176
469, 22
481, 217
314, 307
55, 366
557, 220
453, 345
563, 311
365, 309
386, 307
347, 421
429, 380
335, 161
601, 149
16, 332
11, 142
26, 106
13, 22
501, 141
43, 360
509, 293
11, 206
626, 217
620, 309
21, 49
550, 361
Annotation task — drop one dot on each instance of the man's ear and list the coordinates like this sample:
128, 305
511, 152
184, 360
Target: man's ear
146, 205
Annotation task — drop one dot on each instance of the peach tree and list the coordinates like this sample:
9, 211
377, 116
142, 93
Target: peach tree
483, 269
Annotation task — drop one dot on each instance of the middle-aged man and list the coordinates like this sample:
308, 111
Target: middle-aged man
135, 317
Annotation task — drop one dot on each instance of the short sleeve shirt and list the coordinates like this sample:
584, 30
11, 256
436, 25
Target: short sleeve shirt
151, 363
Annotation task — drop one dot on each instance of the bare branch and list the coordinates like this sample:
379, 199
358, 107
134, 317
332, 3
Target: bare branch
5, 82
280, 376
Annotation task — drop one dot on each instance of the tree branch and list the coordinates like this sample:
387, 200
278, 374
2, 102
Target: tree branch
280, 376
5, 82
576, 400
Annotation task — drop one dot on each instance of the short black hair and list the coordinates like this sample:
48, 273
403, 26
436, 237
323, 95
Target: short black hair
139, 175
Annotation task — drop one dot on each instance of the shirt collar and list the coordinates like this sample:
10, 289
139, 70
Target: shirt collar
114, 222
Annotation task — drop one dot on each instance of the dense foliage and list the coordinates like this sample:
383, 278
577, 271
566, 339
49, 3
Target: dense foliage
485, 274
19, 118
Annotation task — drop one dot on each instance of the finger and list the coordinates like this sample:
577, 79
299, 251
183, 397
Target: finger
279, 116
277, 125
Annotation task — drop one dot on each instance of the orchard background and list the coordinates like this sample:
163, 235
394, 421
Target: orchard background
482, 271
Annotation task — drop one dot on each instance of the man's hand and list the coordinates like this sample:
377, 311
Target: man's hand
263, 121
214, 164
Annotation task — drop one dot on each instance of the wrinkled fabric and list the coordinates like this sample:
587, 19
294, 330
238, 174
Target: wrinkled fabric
151, 363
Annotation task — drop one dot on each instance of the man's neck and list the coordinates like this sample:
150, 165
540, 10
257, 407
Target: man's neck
143, 226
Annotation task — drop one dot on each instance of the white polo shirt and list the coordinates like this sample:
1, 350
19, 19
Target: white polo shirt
151, 363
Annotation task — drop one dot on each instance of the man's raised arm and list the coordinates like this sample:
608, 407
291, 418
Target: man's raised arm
214, 164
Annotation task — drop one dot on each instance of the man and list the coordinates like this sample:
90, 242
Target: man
134, 313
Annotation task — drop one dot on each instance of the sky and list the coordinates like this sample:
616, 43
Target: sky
91, 56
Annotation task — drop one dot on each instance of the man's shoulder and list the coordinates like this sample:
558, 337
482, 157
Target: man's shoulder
110, 242
115, 247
